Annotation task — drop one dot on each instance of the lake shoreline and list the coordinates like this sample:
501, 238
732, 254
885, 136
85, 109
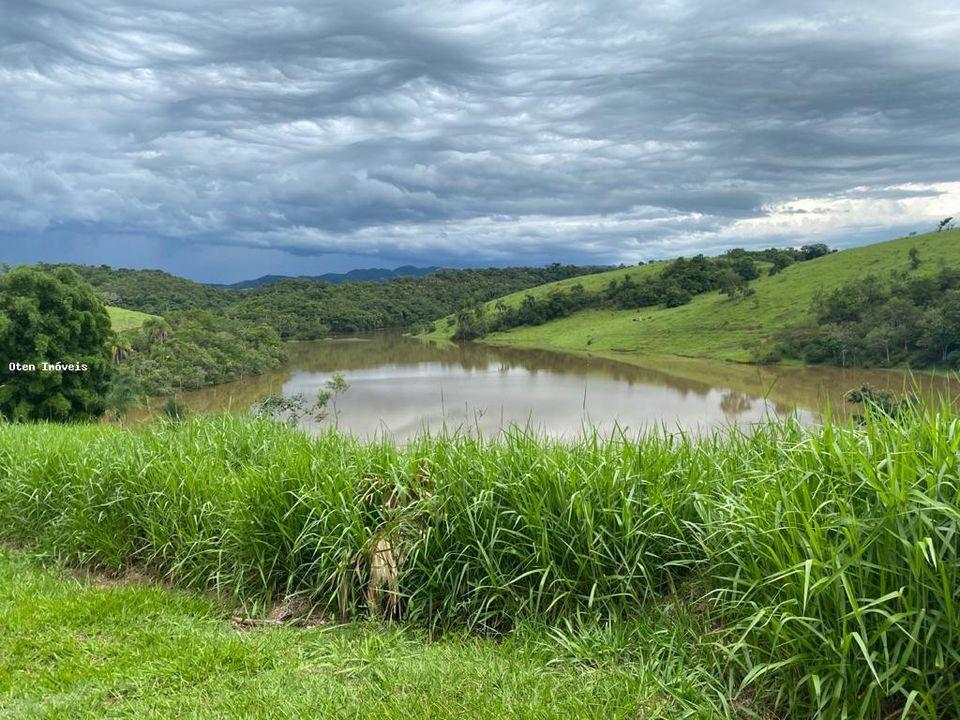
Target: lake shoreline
402, 384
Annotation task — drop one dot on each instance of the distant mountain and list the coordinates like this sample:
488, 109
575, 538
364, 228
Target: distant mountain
364, 275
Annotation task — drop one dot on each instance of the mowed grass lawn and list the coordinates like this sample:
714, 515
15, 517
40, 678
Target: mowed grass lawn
78, 647
714, 326
123, 319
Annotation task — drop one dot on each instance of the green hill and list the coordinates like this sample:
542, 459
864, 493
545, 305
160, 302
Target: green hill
443, 328
713, 325
123, 319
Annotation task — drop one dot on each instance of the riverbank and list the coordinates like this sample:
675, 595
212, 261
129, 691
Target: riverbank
821, 563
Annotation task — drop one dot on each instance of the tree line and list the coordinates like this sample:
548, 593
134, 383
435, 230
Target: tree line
301, 309
193, 349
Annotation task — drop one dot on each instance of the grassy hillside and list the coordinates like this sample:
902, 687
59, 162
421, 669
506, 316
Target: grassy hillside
591, 283
123, 319
714, 326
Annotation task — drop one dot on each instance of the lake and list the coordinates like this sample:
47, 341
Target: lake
400, 385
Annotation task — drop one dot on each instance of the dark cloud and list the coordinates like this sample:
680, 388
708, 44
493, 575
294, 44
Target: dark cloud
330, 135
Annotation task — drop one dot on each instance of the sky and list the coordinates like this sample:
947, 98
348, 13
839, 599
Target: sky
226, 140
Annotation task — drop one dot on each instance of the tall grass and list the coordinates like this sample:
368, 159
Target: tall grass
835, 561
826, 558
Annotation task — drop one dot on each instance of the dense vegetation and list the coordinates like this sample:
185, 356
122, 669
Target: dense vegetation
54, 346
149, 291
307, 309
193, 349
63, 360
826, 559
675, 284
904, 319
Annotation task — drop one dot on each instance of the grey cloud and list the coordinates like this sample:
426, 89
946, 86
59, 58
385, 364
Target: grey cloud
467, 134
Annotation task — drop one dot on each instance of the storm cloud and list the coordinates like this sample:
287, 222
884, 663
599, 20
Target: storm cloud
251, 137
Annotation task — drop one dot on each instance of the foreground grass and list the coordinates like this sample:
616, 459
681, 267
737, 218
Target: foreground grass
714, 326
825, 561
73, 648
123, 319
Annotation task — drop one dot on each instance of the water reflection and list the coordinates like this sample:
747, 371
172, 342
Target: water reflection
400, 385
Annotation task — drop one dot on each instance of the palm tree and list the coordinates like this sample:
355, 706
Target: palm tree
156, 330
120, 349
124, 394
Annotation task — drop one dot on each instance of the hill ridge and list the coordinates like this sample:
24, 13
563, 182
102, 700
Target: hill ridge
713, 326
355, 275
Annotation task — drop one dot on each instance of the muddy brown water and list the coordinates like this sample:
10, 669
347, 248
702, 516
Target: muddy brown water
401, 385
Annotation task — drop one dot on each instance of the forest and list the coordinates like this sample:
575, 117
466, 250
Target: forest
309, 310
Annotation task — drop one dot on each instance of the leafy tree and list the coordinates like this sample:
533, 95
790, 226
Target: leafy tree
120, 348
914, 256
735, 280
811, 252
58, 319
746, 268
940, 328
780, 262
155, 330
674, 296
334, 387
881, 401
731, 284
472, 322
